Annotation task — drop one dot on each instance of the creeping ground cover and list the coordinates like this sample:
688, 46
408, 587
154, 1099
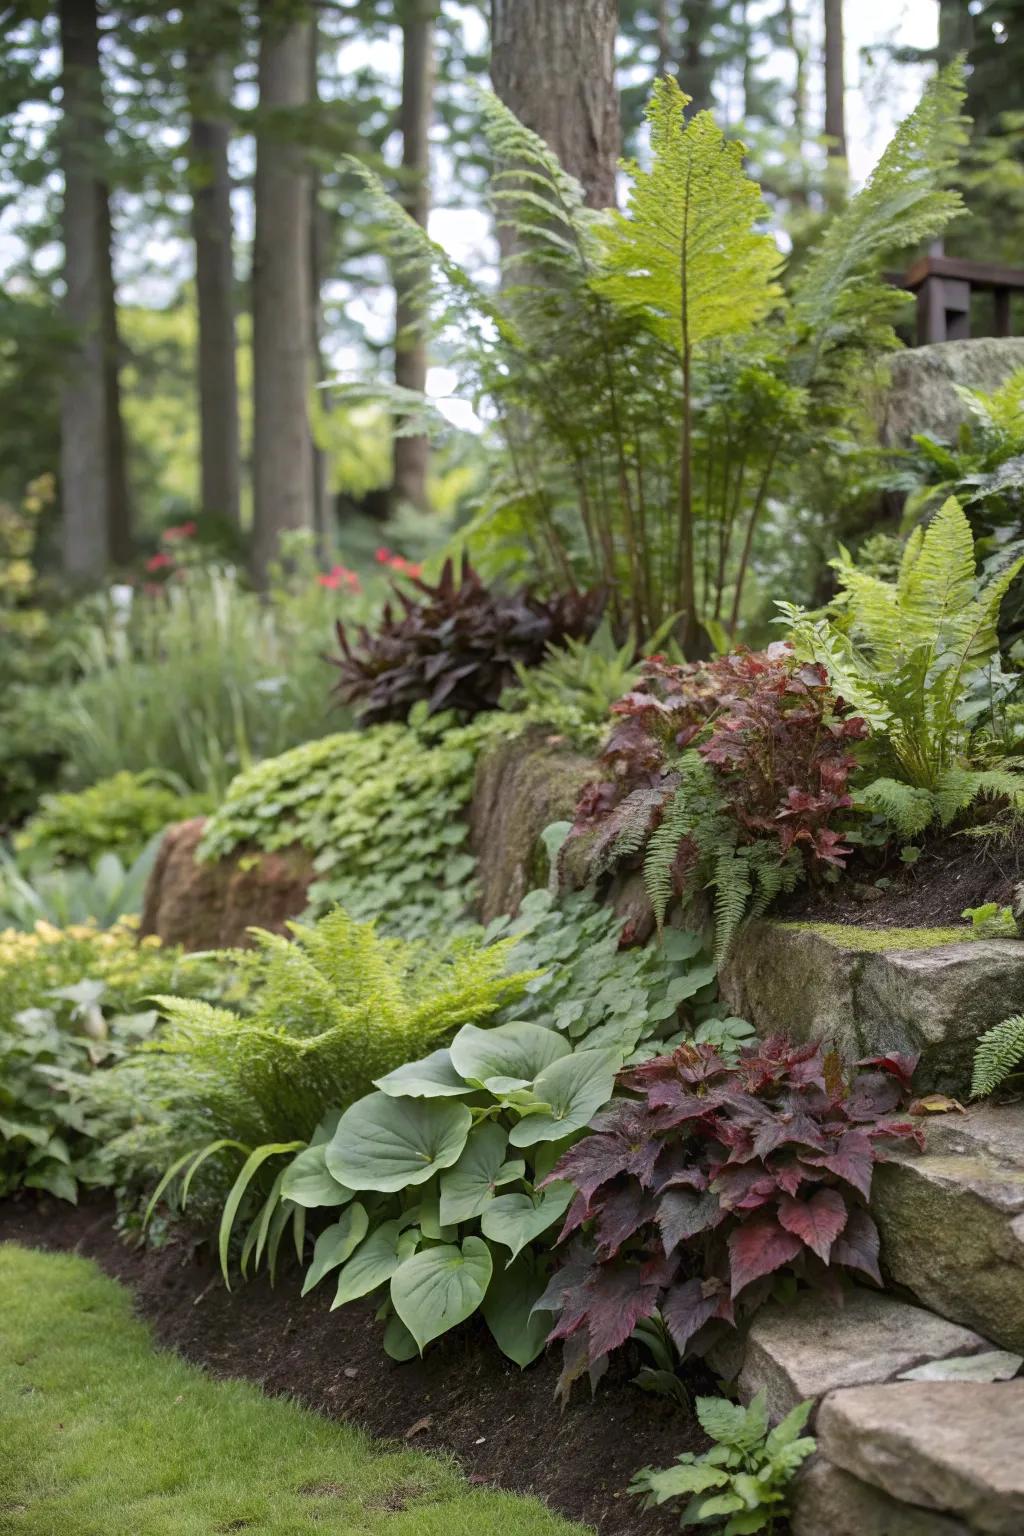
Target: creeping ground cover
79, 1375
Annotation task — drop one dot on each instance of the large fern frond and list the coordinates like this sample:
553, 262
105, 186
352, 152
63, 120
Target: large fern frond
687, 256
908, 809
999, 1052
841, 295
959, 788
661, 854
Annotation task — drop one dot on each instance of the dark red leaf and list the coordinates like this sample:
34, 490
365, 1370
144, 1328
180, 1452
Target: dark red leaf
857, 1248
689, 1305
902, 1066
682, 1215
619, 1210
817, 1221
759, 1247
851, 1159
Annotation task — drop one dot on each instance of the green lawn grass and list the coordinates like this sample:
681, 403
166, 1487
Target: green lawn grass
102, 1435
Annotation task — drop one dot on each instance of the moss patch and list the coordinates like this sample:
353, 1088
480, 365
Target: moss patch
874, 940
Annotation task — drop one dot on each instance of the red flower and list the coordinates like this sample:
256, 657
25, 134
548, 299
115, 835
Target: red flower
158, 562
181, 531
339, 576
383, 556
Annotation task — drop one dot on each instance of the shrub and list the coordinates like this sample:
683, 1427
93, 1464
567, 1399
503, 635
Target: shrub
69, 1004
709, 1181
456, 648
382, 810
744, 1479
117, 815
726, 774
325, 1014
574, 687
103, 894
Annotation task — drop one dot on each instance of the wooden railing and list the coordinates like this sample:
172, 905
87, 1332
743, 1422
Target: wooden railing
944, 286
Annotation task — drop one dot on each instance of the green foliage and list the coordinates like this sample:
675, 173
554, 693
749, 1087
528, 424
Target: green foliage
202, 679
118, 815
575, 686
326, 1013
446, 1160
984, 468
906, 655
742, 1483
639, 1001
69, 1005
991, 921
104, 893
383, 810
643, 458
999, 1056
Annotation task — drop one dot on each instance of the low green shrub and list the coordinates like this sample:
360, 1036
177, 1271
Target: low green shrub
70, 1002
325, 1015
382, 810
575, 686
117, 815
75, 893
744, 1479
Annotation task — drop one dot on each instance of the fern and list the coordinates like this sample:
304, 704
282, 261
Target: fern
910, 811
662, 851
840, 297
998, 1055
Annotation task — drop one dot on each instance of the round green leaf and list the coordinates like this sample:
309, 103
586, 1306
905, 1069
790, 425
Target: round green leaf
336, 1243
307, 1182
575, 1087
398, 1341
432, 1078
440, 1287
516, 1220
517, 1051
389, 1144
519, 1331
468, 1187
374, 1261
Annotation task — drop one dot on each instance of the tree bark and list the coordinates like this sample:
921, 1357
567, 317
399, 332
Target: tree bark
411, 455
553, 65
84, 432
282, 444
835, 80
119, 505
696, 71
220, 454
956, 29
318, 244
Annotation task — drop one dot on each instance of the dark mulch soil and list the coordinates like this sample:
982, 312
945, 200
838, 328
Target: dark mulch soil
953, 873
503, 1424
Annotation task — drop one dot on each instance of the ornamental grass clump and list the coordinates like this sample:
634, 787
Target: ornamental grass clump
705, 1184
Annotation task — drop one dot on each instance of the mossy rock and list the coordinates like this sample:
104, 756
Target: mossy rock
867, 991
521, 786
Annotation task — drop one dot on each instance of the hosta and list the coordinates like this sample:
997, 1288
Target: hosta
705, 1182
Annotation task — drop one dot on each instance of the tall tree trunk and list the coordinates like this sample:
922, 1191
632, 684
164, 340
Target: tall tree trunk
119, 506
798, 48
317, 249
282, 445
553, 65
663, 33
219, 451
412, 454
696, 71
835, 80
956, 29
84, 445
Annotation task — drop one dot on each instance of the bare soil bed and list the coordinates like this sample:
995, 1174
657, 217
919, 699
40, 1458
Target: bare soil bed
502, 1424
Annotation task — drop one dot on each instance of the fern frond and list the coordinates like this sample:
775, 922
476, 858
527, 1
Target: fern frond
687, 257
733, 888
959, 788
626, 829
999, 1052
937, 589
661, 853
840, 296
908, 809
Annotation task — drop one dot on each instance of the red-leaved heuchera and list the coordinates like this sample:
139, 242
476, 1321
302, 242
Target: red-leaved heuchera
705, 1182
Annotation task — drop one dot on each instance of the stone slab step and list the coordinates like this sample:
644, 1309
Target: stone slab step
951, 1220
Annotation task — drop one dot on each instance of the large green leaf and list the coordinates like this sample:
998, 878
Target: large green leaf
374, 1261
336, 1243
575, 1087
389, 1144
250, 1168
469, 1187
515, 1053
432, 1078
516, 1220
307, 1182
519, 1331
440, 1287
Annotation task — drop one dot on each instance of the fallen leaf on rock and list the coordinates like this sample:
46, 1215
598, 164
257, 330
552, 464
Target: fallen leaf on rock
936, 1104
